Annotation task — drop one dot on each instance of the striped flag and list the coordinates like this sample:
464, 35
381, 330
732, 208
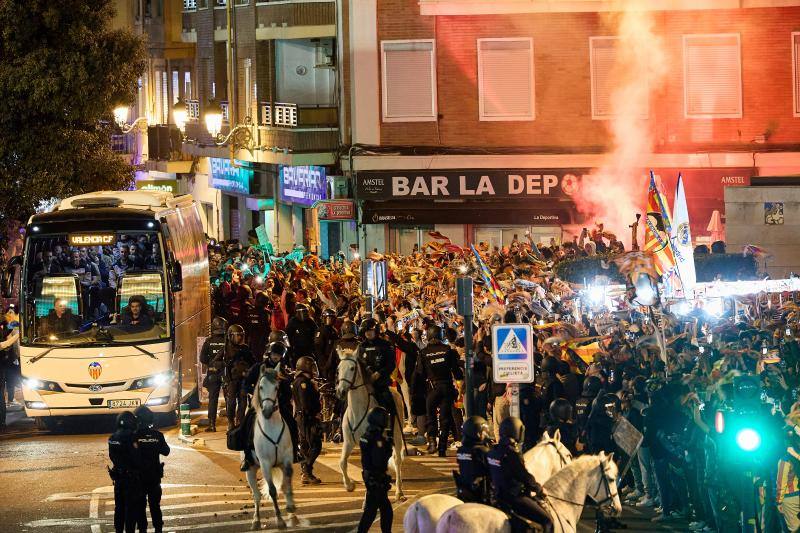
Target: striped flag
488, 279
658, 229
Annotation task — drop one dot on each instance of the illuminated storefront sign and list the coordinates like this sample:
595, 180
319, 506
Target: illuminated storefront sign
158, 185
302, 185
234, 178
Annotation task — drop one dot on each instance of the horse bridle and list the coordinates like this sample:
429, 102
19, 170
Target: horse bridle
283, 422
352, 386
564, 459
274, 400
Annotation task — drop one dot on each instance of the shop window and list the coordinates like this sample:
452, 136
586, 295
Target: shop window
408, 80
712, 72
506, 88
796, 72
603, 60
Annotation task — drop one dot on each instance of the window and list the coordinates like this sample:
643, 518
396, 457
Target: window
158, 104
164, 99
505, 79
176, 86
602, 63
187, 85
248, 90
712, 73
408, 82
796, 72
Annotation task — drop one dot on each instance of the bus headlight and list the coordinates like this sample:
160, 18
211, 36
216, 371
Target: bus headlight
36, 405
153, 381
160, 379
158, 401
38, 384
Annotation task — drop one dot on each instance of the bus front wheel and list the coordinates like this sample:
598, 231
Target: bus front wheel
45, 423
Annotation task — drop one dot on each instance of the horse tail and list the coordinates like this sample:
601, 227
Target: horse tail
411, 519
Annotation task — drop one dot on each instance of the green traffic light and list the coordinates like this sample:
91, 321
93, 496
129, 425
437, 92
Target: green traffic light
748, 439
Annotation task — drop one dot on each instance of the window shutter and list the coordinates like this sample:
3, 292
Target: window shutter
506, 79
604, 56
712, 76
796, 72
409, 92
157, 105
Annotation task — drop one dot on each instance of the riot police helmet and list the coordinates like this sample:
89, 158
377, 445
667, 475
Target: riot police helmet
378, 418
218, 326
236, 330
145, 416
512, 429
611, 404
592, 386
348, 330
560, 410
475, 429
328, 317
279, 335
301, 311
369, 325
550, 364
276, 348
126, 420
308, 365
434, 333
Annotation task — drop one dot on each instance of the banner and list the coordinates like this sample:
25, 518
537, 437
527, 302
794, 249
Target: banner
302, 185
488, 279
658, 229
681, 239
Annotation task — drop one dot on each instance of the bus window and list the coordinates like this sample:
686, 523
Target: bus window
57, 313
142, 310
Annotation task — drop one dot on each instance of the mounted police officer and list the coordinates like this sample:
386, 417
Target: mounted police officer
377, 355
441, 366
238, 360
307, 408
324, 343
472, 481
151, 445
212, 357
301, 330
256, 319
376, 450
513, 484
346, 344
583, 407
125, 473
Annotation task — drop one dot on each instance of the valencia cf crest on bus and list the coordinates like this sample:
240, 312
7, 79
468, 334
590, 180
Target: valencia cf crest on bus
95, 369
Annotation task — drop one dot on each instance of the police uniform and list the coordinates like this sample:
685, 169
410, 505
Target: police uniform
376, 450
212, 355
301, 337
307, 407
378, 356
546, 388
440, 362
256, 322
238, 361
125, 475
325, 344
151, 445
473, 471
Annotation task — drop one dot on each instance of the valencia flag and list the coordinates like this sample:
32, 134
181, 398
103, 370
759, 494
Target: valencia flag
658, 229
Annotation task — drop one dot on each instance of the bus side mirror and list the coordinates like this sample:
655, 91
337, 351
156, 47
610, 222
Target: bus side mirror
8, 277
176, 277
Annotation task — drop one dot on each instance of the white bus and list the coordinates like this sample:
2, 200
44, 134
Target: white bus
114, 295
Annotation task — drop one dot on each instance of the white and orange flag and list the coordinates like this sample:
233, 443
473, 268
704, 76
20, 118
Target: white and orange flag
658, 229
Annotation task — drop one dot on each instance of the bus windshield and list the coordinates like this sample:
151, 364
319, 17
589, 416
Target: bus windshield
83, 289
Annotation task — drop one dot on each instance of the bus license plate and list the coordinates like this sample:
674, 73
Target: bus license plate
123, 404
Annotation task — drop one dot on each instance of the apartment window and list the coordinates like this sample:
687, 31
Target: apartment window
408, 82
248, 89
602, 63
164, 99
796, 72
158, 98
187, 85
176, 86
712, 70
505, 79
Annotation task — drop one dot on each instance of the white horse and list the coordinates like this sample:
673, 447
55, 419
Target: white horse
350, 381
542, 461
564, 494
273, 447
547, 457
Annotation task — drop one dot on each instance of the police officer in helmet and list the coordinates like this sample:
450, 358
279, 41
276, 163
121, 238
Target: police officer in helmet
440, 362
238, 360
307, 408
600, 429
560, 419
513, 485
376, 449
212, 357
125, 473
345, 346
592, 386
547, 388
151, 445
472, 479
301, 330
325, 344
377, 355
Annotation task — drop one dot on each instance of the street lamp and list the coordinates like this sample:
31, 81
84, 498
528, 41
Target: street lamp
121, 118
239, 135
213, 119
179, 114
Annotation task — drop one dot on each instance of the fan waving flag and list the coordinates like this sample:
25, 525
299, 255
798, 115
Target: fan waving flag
681, 239
658, 229
488, 279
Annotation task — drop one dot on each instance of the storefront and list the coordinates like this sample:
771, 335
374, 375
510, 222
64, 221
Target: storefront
468, 206
337, 223
299, 188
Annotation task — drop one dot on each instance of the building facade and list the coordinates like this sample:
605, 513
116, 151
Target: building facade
481, 120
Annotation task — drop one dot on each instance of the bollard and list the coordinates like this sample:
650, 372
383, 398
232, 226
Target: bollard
186, 418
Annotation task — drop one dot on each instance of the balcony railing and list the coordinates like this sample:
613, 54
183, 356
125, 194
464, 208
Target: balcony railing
189, 5
226, 116
193, 110
123, 143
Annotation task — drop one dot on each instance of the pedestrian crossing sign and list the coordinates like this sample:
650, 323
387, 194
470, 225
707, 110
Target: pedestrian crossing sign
512, 351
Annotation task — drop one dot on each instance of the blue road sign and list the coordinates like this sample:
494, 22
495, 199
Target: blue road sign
512, 350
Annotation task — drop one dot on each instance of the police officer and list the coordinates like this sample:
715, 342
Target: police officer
512, 483
307, 408
125, 473
583, 407
301, 330
324, 344
212, 357
256, 319
376, 449
473, 471
560, 419
377, 354
546, 389
151, 445
600, 428
440, 362
238, 361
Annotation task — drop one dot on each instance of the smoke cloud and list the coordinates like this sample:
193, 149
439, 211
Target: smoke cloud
616, 191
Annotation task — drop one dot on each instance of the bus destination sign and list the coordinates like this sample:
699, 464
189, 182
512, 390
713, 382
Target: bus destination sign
91, 239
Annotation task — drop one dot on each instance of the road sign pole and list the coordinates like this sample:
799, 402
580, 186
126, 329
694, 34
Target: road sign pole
514, 407
464, 304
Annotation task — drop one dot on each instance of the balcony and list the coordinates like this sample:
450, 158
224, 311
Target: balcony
295, 20
298, 128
